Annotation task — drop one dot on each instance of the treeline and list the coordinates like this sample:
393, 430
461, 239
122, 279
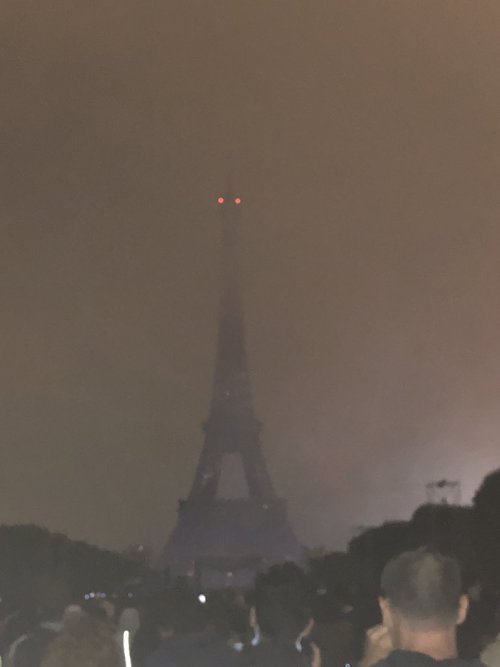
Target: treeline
36, 564
469, 533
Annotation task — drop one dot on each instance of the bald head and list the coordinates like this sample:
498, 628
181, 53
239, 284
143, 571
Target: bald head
424, 588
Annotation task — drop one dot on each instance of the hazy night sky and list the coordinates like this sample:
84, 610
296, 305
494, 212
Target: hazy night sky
366, 144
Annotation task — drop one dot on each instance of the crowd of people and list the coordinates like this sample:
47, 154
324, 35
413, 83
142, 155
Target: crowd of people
277, 624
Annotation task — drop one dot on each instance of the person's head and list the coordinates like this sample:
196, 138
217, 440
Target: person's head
422, 595
85, 643
223, 617
94, 610
162, 618
72, 615
282, 603
172, 614
129, 620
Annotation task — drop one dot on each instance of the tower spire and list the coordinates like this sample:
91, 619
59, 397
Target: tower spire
231, 389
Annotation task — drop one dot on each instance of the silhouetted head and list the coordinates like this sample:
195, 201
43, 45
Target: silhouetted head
84, 643
282, 603
421, 593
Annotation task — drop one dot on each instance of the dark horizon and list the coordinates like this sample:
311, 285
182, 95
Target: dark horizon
365, 142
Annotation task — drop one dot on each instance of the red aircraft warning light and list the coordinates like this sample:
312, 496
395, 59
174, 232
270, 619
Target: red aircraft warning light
220, 200
237, 201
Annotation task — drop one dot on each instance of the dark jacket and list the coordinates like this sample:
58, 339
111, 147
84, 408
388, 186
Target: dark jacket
31, 650
274, 654
400, 658
192, 650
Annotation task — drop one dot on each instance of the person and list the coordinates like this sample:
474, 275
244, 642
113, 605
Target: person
51, 597
490, 655
156, 649
422, 604
189, 638
17, 627
281, 619
29, 649
334, 631
129, 621
128, 624
83, 643
72, 615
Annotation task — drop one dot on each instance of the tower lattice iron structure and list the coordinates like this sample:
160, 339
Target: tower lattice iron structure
232, 524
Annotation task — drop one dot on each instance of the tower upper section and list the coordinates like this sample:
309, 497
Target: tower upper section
231, 394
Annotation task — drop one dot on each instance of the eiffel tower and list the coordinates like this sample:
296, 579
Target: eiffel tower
232, 524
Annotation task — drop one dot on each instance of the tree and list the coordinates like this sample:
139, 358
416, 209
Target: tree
486, 530
447, 528
34, 561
